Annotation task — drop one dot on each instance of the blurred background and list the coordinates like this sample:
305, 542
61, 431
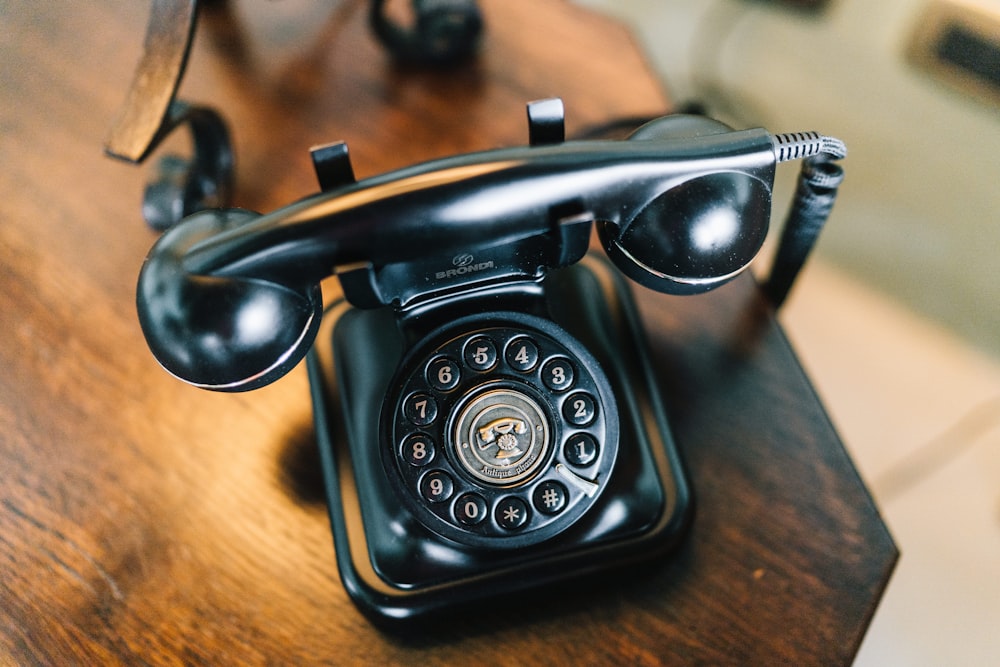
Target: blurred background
896, 318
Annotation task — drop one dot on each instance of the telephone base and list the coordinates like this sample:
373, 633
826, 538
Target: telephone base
397, 570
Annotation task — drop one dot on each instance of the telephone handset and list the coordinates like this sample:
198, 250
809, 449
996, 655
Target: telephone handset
485, 407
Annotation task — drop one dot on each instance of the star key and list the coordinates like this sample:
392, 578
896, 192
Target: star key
511, 513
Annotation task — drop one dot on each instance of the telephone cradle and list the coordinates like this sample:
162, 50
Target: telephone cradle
486, 410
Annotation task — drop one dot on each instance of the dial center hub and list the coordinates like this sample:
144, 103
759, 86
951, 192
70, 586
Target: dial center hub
501, 437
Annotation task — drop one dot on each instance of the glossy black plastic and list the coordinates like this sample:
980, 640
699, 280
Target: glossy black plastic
221, 333
680, 214
394, 566
451, 484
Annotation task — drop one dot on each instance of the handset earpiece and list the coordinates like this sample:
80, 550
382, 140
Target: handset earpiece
226, 333
703, 230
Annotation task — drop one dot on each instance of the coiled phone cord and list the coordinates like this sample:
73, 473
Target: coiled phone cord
815, 194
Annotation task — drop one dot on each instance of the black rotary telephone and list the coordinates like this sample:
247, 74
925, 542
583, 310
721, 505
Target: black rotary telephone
487, 416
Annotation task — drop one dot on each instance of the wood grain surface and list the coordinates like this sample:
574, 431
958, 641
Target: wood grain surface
146, 522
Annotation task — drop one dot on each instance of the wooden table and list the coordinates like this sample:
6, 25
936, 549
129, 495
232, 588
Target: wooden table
143, 521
